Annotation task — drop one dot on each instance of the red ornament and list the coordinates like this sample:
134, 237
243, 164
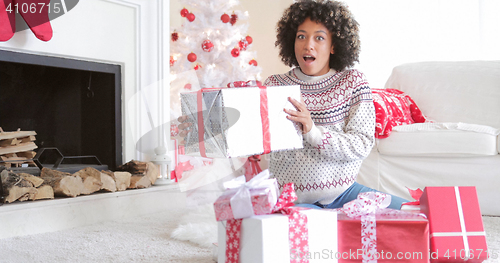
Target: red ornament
249, 39
243, 44
174, 130
192, 57
187, 86
184, 12
207, 45
197, 67
253, 62
190, 17
234, 18
175, 36
235, 52
172, 61
225, 18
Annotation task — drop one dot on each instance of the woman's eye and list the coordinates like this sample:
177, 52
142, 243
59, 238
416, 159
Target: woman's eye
320, 38
300, 37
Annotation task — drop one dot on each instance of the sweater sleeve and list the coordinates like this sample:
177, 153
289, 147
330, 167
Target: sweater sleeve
356, 139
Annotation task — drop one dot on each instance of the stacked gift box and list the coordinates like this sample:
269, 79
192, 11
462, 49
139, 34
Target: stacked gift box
449, 229
257, 226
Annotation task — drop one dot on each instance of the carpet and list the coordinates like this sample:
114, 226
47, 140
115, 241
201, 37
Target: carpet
145, 239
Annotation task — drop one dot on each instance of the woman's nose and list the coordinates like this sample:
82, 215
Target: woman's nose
309, 45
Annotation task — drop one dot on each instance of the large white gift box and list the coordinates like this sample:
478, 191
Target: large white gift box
265, 238
232, 122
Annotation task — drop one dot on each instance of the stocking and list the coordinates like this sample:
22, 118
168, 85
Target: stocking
7, 20
38, 21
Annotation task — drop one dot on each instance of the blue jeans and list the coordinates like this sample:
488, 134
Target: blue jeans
352, 193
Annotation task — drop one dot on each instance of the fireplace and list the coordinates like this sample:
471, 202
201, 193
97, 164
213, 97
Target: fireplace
72, 105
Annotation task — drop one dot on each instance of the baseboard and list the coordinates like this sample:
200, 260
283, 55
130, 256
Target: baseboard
42, 216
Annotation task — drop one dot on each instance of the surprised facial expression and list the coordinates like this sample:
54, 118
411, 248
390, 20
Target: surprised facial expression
313, 46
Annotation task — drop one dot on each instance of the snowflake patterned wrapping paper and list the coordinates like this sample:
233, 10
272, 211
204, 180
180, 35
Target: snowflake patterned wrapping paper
233, 122
265, 238
400, 237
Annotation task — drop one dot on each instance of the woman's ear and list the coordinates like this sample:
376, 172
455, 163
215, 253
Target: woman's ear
332, 50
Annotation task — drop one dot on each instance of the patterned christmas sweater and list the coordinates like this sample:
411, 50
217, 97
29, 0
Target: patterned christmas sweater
342, 110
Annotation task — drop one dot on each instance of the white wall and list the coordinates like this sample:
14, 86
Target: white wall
394, 32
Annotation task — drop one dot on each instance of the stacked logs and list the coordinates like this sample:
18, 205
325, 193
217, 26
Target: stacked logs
22, 186
17, 148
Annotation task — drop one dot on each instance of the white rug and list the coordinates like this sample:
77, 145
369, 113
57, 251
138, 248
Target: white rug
141, 239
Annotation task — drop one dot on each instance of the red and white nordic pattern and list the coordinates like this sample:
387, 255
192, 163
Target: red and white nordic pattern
342, 109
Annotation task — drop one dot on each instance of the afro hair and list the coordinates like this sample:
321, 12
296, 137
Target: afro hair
333, 15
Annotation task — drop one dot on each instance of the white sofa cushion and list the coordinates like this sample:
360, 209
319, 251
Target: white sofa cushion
459, 91
440, 139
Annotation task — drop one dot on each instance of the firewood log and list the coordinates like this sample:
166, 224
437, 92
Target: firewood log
91, 180
139, 181
133, 167
45, 191
64, 184
122, 179
35, 180
108, 183
15, 187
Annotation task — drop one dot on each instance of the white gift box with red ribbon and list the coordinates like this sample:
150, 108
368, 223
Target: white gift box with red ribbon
265, 239
292, 234
233, 122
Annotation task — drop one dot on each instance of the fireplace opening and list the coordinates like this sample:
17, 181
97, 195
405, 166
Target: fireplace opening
72, 105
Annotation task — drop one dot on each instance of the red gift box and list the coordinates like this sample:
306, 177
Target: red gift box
400, 236
456, 225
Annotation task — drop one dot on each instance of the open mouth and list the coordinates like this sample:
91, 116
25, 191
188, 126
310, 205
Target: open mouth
309, 58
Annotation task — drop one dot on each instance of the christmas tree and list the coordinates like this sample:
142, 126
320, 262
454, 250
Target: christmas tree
213, 42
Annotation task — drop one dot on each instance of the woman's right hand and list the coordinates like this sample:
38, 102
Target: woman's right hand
183, 127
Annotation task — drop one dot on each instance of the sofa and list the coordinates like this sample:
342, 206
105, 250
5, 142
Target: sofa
457, 145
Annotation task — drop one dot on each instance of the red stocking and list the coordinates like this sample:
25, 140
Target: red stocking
38, 21
7, 20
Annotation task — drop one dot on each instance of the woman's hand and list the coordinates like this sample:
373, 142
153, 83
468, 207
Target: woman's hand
301, 115
183, 127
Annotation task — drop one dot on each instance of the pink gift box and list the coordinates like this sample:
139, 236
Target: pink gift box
262, 203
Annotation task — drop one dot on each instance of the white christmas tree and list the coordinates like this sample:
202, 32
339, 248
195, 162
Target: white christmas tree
213, 42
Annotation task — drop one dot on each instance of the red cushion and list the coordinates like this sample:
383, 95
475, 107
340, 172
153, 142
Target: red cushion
393, 107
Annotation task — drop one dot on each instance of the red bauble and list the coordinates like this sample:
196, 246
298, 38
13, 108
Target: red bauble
190, 17
235, 52
172, 61
184, 12
243, 44
187, 86
174, 130
234, 18
249, 39
197, 67
192, 57
207, 45
253, 62
175, 36
225, 18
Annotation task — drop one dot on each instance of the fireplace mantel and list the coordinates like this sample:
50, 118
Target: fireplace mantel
126, 33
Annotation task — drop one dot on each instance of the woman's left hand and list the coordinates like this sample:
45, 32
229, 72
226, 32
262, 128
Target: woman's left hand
301, 115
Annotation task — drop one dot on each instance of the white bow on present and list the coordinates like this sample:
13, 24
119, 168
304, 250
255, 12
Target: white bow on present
241, 203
